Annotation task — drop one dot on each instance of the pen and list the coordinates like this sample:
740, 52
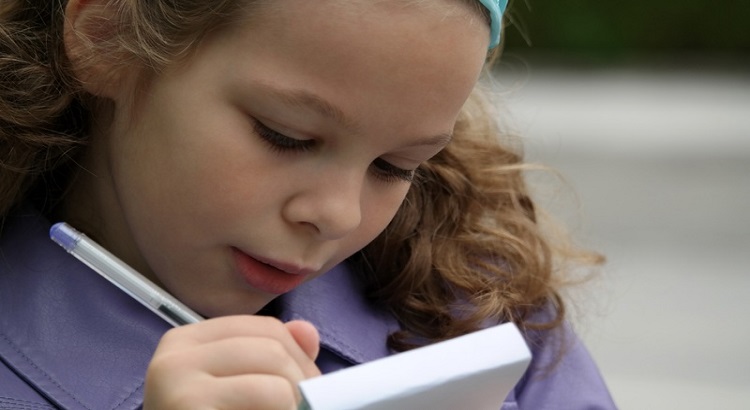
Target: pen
122, 275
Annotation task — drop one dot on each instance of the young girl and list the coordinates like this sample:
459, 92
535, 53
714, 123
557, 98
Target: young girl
264, 161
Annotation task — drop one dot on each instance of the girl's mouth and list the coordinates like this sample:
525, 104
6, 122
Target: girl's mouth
265, 277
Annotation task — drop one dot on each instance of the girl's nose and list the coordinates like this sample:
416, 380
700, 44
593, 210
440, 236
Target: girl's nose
331, 206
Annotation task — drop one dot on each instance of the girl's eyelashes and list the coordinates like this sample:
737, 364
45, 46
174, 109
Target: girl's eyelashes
280, 142
382, 169
391, 173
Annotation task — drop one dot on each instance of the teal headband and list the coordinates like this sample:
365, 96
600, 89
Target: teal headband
496, 9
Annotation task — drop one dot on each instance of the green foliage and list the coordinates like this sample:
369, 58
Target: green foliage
620, 26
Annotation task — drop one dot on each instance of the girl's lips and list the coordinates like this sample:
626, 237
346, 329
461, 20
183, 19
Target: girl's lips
264, 277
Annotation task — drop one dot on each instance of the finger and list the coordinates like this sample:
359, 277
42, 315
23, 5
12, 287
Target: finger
259, 392
242, 355
306, 336
187, 337
225, 327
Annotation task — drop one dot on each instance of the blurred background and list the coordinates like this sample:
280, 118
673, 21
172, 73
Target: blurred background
644, 108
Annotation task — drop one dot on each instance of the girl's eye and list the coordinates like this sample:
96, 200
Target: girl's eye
388, 172
382, 169
280, 142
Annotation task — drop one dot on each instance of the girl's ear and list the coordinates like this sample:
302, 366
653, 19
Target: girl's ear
89, 36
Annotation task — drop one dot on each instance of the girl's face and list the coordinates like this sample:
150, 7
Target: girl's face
284, 145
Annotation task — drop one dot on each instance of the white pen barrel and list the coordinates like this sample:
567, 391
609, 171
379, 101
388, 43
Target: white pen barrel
123, 276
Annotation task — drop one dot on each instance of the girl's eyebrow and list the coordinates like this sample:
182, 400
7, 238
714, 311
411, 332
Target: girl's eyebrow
309, 100
440, 140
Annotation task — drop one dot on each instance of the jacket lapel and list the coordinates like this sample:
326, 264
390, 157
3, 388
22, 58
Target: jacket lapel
75, 338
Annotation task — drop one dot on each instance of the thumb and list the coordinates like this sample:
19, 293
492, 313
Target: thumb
306, 336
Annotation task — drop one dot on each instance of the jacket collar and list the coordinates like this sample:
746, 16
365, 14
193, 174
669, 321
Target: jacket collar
83, 343
350, 326
78, 340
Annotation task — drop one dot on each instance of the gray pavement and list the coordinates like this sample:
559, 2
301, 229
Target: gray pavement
660, 160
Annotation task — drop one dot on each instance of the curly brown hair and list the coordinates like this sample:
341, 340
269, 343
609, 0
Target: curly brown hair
465, 247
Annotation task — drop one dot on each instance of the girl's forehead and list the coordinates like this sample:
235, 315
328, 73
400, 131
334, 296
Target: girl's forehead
340, 8
351, 20
327, 14
379, 26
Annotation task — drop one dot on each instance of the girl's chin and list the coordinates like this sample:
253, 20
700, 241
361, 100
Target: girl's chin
230, 303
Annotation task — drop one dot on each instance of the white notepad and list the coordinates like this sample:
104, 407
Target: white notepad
472, 372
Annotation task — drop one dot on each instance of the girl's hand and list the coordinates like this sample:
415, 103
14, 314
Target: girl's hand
233, 362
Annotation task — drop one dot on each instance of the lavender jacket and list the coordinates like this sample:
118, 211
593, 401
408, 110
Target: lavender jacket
71, 340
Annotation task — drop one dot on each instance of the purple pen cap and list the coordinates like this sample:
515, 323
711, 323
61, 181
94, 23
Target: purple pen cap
65, 235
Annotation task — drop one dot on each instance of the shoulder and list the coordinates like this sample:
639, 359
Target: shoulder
562, 374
